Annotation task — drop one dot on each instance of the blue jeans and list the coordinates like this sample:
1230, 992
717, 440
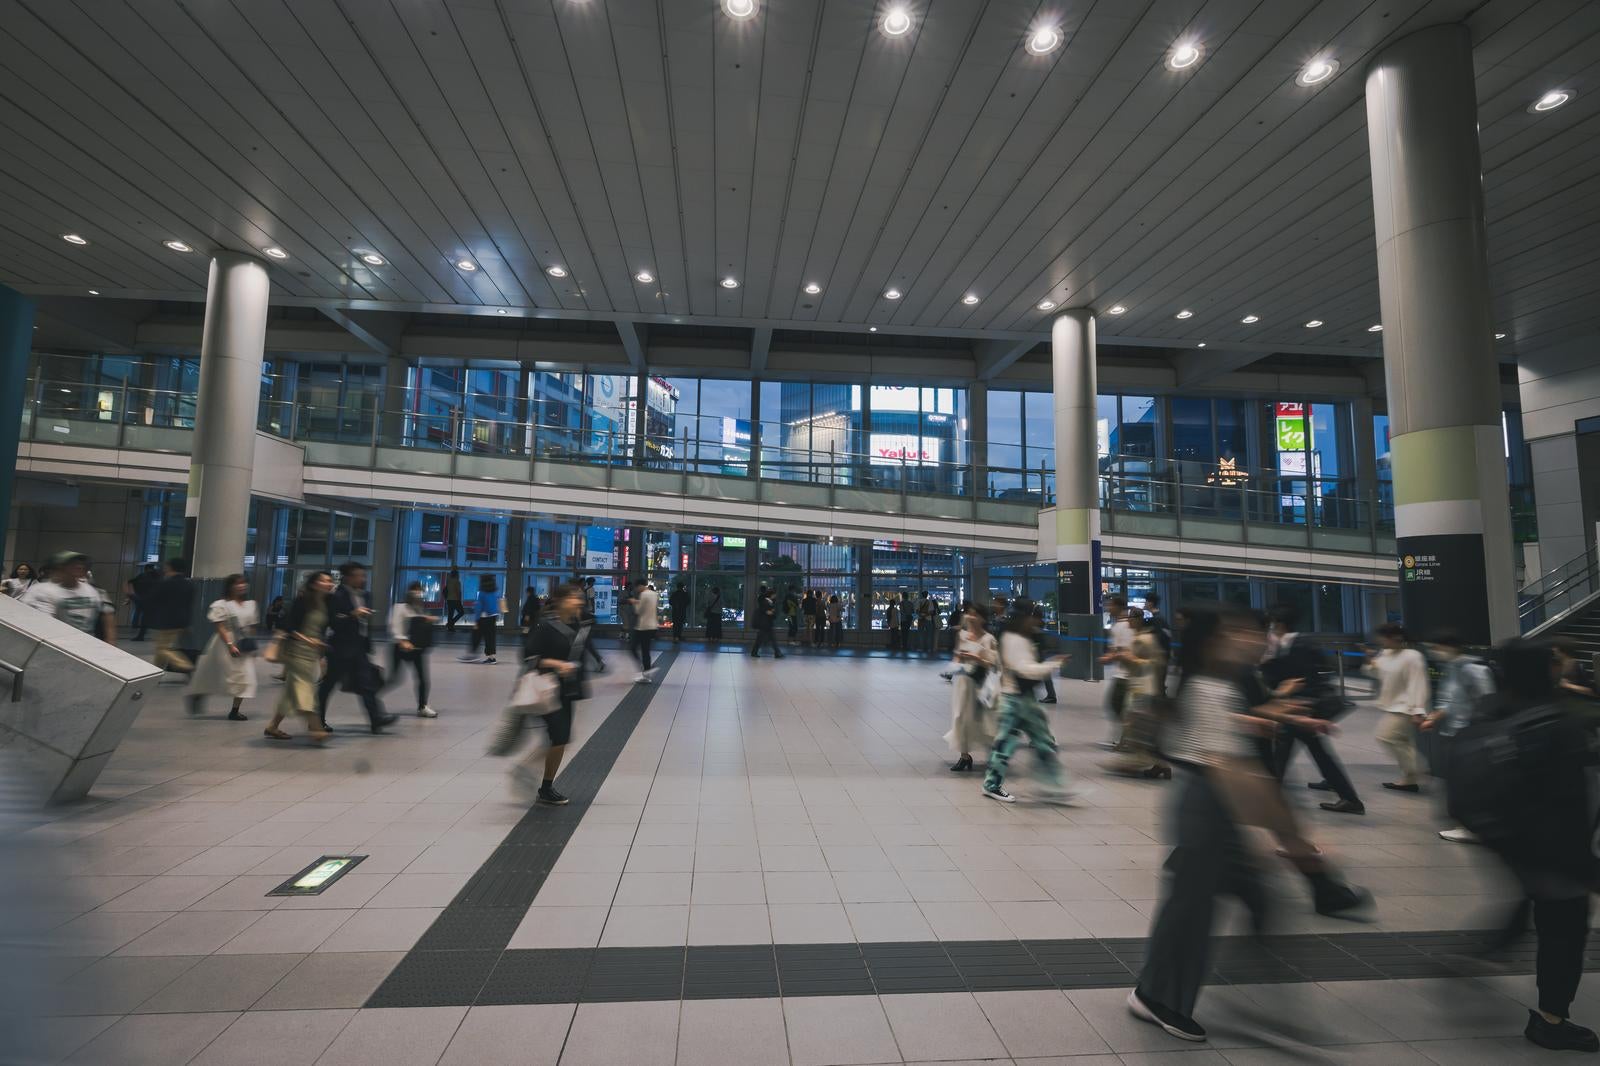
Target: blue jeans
1021, 718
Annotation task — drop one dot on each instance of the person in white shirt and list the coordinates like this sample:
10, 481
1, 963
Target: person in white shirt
67, 596
1021, 717
646, 621
410, 637
1402, 675
1117, 684
227, 667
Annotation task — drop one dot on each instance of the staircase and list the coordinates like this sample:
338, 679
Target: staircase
1565, 603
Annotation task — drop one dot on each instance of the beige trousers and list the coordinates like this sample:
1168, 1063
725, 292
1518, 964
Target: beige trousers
1398, 733
167, 654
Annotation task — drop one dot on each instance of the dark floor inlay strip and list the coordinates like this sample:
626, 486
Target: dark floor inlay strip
458, 961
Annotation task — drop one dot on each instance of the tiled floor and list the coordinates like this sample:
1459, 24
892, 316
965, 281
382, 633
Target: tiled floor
793, 803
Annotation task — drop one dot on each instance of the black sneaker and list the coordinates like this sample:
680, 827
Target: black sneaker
1335, 899
1560, 1036
550, 797
1178, 1025
1345, 807
235, 716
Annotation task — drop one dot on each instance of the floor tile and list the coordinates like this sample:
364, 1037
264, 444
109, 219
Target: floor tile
102, 932
576, 890
153, 1039
419, 890
560, 927
706, 1025
274, 1038
221, 983
530, 1035
1036, 1024
167, 892
654, 889
730, 923
965, 921
286, 931
645, 926
191, 933
888, 921
834, 1031
810, 923
802, 886
381, 929
941, 1025
871, 886
606, 1034
46, 1041
116, 985
410, 1036
331, 979
714, 887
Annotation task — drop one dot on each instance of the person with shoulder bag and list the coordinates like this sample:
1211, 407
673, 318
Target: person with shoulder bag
410, 638
552, 681
974, 688
228, 665
349, 649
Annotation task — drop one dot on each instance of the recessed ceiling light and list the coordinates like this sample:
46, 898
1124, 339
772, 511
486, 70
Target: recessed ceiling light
1317, 71
275, 252
94, 292
1046, 305
891, 294
896, 22
1499, 336
501, 311
1183, 55
872, 329
644, 277
73, 238
1185, 314
812, 288
1250, 320
466, 264
372, 259
730, 283
1202, 344
1378, 328
739, 9
556, 271
1117, 309
1551, 100
1314, 323
1044, 40
177, 246
970, 298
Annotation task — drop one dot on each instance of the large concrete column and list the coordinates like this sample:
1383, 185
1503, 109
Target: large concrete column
977, 435
16, 340
1452, 511
1077, 547
222, 461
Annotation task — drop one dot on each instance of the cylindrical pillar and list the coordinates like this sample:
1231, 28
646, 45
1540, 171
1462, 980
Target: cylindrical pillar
16, 341
976, 434
222, 461
1077, 513
1452, 512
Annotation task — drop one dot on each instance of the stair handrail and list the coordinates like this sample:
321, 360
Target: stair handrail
1575, 585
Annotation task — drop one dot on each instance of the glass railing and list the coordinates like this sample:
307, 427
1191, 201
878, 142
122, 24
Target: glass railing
721, 458
1558, 591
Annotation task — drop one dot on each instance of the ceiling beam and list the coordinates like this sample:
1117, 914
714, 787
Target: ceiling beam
760, 346
1203, 367
635, 341
379, 330
993, 356
105, 322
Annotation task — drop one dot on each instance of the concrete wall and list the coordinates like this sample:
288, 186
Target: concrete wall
1559, 386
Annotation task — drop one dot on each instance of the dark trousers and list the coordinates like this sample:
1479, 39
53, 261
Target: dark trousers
642, 639
419, 666
594, 653
484, 633
835, 633
765, 638
138, 621
338, 670
1317, 746
1563, 930
680, 621
453, 615
1208, 860
1049, 687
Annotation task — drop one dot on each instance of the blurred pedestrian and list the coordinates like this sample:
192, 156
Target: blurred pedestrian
1465, 681
139, 590
67, 595
1022, 720
835, 621
974, 690
172, 608
455, 605
300, 646
410, 639
349, 649
1145, 663
20, 581
646, 620
227, 666
556, 648
1402, 676
491, 607
1298, 657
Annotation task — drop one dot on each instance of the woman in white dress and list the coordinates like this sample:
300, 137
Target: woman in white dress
227, 667
976, 656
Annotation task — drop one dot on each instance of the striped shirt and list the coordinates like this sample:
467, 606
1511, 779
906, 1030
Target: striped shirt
1208, 724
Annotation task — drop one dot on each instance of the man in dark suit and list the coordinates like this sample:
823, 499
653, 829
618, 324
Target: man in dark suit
1298, 657
349, 647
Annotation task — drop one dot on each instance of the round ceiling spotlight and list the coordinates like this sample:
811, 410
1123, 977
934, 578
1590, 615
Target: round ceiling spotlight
730, 283
466, 264
1499, 336
275, 252
372, 259
872, 329
1317, 71
94, 292
897, 22
1202, 344
970, 298
644, 277
556, 271
1117, 309
739, 9
73, 238
1047, 305
1044, 40
1184, 314
1375, 328
1551, 100
812, 288
1314, 323
1183, 56
176, 246
502, 311
892, 294
1250, 320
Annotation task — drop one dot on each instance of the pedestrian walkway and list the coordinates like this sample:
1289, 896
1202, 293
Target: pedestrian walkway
763, 862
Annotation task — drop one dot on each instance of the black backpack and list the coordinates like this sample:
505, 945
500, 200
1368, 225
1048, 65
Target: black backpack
1500, 769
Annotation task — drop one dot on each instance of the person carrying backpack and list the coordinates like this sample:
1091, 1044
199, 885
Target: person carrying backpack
1464, 682
1519, 781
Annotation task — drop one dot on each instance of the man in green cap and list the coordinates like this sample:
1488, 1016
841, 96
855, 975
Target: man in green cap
68, 596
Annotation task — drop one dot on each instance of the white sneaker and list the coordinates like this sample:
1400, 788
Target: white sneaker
999, 793
1459, 835
427, 712
640, 679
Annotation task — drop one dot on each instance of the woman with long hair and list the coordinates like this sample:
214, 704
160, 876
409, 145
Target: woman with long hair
976, 655
227, 666
21, 580
300, 649
1021, 717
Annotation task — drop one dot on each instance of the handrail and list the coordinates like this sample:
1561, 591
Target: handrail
16, 673
1559, 594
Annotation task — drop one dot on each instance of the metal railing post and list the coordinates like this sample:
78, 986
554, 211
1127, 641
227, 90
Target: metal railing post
122, 417
833, 462
377, 423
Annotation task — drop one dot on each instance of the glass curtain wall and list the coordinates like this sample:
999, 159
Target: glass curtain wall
905, 571
711, 425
